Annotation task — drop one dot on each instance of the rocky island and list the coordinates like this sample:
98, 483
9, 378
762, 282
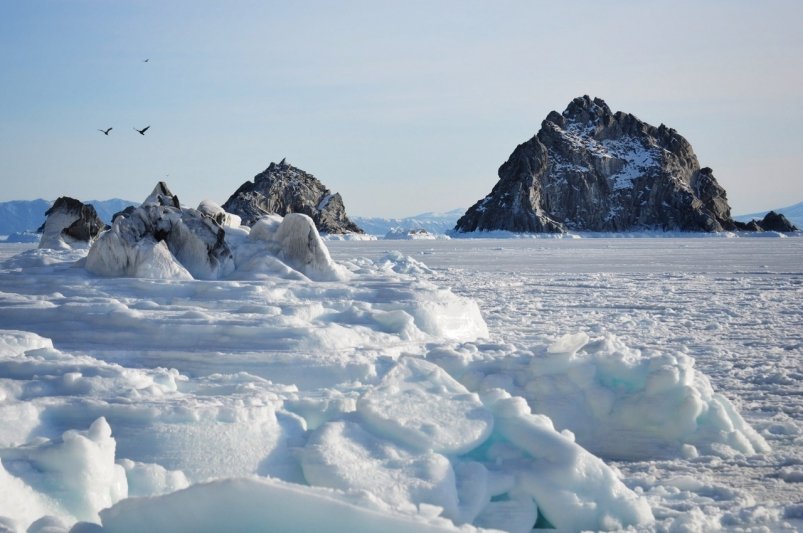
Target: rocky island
282, 189
589, 169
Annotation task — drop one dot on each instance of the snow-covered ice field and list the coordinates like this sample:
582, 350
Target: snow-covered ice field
408, 392
734, 305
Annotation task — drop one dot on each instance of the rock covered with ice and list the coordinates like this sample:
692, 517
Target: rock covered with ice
282, 189
589, 169
160, 239
70, 224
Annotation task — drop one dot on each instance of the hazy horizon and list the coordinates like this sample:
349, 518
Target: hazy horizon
401, 108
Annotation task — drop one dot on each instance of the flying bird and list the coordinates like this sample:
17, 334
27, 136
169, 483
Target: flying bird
142, 131
106, 131
146, 60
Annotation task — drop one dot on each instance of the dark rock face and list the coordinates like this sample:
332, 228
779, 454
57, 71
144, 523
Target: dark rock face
588, 169
70, 222
283, 189
772, 221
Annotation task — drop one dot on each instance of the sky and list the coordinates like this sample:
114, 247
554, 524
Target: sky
402, 107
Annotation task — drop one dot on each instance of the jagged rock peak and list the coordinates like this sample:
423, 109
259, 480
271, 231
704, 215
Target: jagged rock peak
282, 189
586, 109
589, 169
161, 195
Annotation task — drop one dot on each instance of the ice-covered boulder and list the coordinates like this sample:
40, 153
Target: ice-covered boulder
218, 214
70, 224
160, 239
301, 247
589, 169
283, 189
162, 196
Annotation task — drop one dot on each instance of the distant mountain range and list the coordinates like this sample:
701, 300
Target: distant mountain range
793, 213
18, 216
436, 223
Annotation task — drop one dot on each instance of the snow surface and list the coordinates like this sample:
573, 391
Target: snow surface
449, 385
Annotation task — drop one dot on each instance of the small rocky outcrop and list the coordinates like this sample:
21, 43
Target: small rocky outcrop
282, 189
70, 223
160, 239
589, 169
772, 221
161, 232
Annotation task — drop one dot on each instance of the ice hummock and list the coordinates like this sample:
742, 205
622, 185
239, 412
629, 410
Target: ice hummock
622, 403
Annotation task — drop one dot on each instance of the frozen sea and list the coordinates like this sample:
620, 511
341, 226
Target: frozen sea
677, 361
733, 304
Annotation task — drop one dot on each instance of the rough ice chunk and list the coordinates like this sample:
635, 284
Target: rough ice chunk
259, 504
626, 404
218, 214
516, 513
78, 471
111, 257
301, 247
14, 343
344, 456
21, 505
148, 479
573, 489
419, 404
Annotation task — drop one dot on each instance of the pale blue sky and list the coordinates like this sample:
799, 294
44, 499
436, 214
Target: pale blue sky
402, 107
